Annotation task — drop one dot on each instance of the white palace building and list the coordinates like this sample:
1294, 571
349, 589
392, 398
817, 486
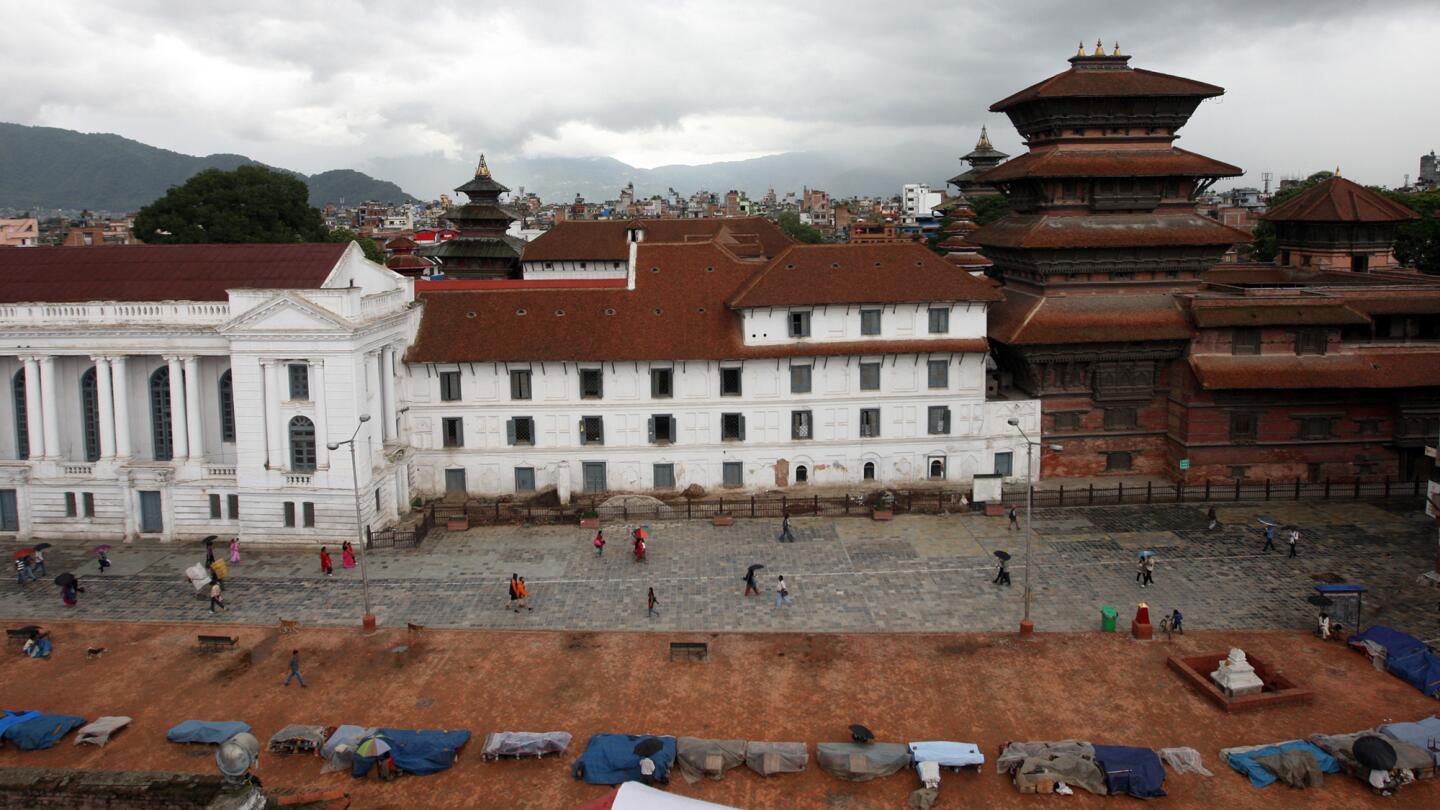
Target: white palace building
180, 391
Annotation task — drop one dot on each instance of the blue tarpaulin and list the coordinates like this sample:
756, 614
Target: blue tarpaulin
610, 759
1136, 771
1406, 657
424, 752
1421, 734
1261, 777
212, 732
42, 730
11, 718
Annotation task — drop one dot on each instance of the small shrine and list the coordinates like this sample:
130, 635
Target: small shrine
1236, 676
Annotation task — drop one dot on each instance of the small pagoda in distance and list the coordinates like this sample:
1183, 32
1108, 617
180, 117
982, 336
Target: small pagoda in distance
482, 250
982, 158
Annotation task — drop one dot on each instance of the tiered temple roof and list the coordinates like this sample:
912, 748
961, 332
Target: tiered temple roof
482, 250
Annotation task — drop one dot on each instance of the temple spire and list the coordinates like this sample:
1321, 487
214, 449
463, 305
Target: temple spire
1117, 48
984, 142
1081, 50
1099, 48
482, 170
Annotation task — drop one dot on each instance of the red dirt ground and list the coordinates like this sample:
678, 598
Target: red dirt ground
981, 688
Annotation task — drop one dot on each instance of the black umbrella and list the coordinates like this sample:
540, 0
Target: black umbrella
64, 579
1319, 600
212, 538
1375, 753
1004, 555
861, 734
42, 546
755, 567
648, 747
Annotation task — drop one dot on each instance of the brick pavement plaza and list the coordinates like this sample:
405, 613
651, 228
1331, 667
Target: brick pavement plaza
930, 573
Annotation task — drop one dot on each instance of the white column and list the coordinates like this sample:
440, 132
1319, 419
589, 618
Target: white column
104, 396
179, 443
274, 458
195, 425
49, 406
33, 418
317, 394
120, 384
387, 393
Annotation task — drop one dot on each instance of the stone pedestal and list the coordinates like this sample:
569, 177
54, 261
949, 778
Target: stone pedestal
1236, 677
1027, 629
1140, 626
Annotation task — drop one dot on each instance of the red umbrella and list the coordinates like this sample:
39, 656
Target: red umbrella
24, 552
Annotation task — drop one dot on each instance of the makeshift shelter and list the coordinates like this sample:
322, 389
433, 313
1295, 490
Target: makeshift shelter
861, 762
1404, 656
635, 796
1421, 734
1015, 753
297, 740
100, 731
41, 731
947, 754
770, 758
1266, 764
1133, 771
1408, 756
208, 732
701, 758
610, 759
424, 752
519, 744
1074, 769
339, 751
11, 718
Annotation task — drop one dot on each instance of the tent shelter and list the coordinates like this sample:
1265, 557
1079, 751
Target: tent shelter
209, 732
1252, 761
770, 758
1408, 756
339, 751
610, 759
42, 730
100, 731
1405, 656
635, 796
1134, 771
297, 740
700, 758
1074, 769
1016, 753
424, 752
947, 754
861, 762
524, 744
1420, 734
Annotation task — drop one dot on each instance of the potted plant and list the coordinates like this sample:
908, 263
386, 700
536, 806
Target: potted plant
884, 507
589, 519
722, 519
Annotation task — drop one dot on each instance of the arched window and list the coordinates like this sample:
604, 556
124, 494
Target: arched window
937, 468
90, 414
22, 419
869, 471
227, 408
801, 474
160, 414
302, 444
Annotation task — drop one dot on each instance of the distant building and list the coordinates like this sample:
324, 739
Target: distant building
918, 202
1338, 225
19, 232
1429, 172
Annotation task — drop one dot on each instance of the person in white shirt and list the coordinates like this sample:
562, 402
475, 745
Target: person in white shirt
782, 593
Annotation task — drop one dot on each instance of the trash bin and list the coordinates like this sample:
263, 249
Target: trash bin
1107, 619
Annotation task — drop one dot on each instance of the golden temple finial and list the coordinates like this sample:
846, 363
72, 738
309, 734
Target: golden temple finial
984, 142
1337, 171
482, 170
1099, 48
1117, 48
1081, 50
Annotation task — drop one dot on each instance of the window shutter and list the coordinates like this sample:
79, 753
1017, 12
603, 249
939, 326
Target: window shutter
510, 431
742, 427
945, 423
652, 430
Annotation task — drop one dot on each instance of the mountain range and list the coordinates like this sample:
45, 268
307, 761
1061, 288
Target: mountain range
47, 168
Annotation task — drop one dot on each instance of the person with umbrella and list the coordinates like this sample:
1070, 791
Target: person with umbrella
37, 560
377, 748
69, 589
1269, 534
1145, 573
22, 566
1002, 576
1378, 755
102, 554
645, 749
750, 587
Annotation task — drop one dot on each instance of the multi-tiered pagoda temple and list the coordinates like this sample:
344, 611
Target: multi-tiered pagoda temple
1103, 235
482, 250
982, 158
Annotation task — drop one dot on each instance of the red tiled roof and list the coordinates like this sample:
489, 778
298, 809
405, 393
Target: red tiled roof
812, 275
968, 260
1024, 319
1381, 367
1339, 200
408, 261
1106, 230
460, 284
1169, 162
401, 243
675, 313
1231, 312
957, 243
605, 240
1109, 83
161, 272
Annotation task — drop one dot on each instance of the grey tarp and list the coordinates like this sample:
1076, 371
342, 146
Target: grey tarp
1407, 756
339, 750
1017, 752
700, 757
100, 731
770, 758
297, 739
1294, 767
861, 762
1073, 769
524, 744
1184, 760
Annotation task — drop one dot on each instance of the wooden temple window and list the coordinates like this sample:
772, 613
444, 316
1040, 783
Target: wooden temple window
1119, 461
1311, 341
1369, 426
1315, 427
1120, 418
1065, 421
1239, 472
1245, 340
1243, 427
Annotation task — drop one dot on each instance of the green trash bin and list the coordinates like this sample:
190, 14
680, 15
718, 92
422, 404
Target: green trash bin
1107, 619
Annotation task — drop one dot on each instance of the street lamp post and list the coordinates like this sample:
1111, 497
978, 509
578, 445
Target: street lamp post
1027, 627
369, 619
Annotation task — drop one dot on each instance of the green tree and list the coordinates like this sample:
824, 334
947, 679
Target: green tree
1417, 242
989, 207
373, 252
1264, 249
249, 204
790, 223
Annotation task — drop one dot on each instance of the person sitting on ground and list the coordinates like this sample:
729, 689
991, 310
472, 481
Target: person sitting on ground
38, 645
1324, 626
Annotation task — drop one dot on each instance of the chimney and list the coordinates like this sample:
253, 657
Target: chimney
634, 235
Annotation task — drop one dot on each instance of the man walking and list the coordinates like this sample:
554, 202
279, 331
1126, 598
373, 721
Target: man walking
1269, 537
1002, 577
786, 536
782, 594
1148, 567
650, 603
1214, 521
1015, 518
750, 586
295, 669
599, 543
22, 570
37, 564
1294, 539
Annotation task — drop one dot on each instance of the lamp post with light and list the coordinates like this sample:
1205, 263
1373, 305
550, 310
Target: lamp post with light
1027, 627
369, 618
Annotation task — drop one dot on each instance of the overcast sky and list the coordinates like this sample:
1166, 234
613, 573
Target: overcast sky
1310, 84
